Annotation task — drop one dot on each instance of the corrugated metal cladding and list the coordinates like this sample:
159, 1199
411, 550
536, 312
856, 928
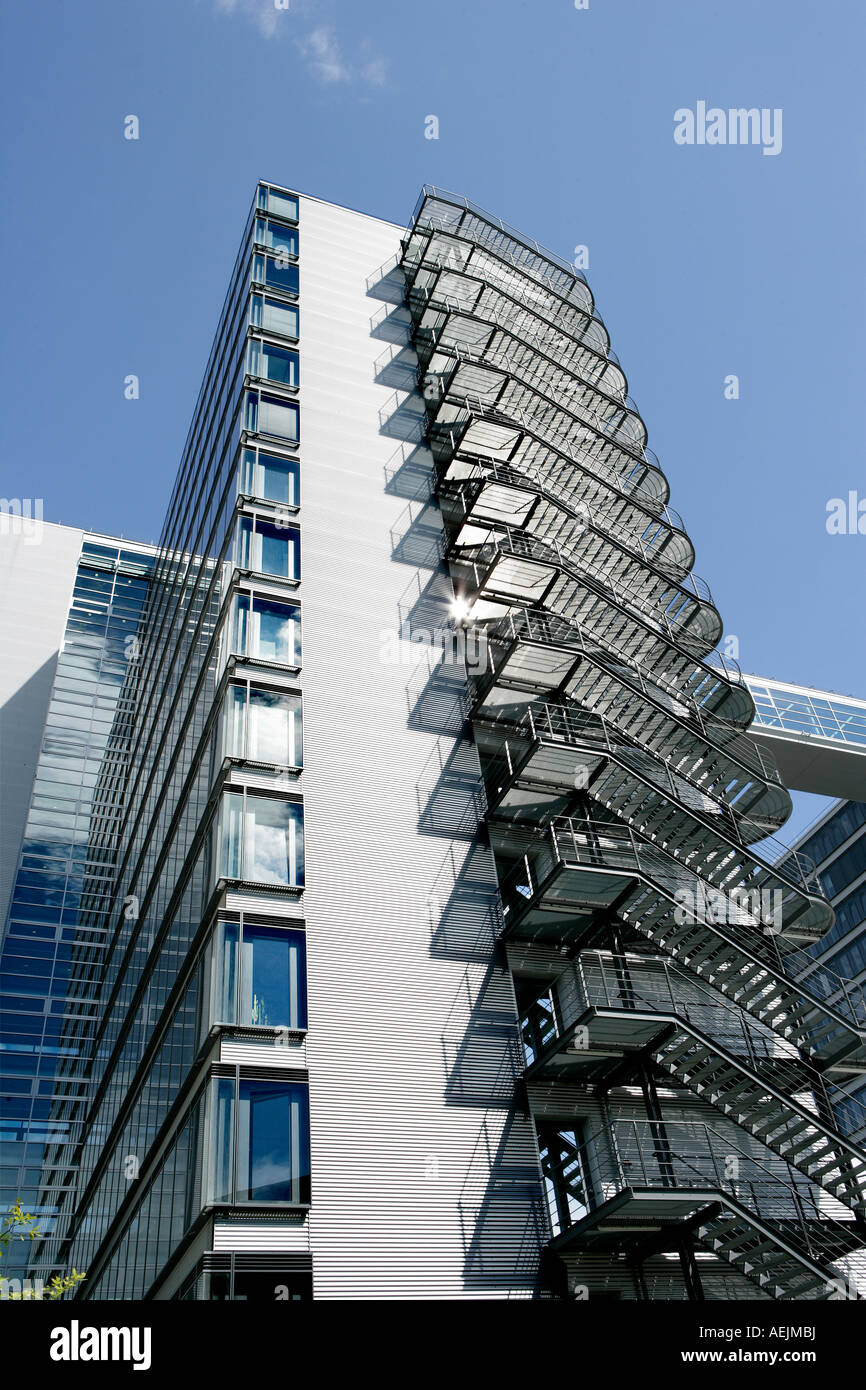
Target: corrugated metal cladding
425, 1180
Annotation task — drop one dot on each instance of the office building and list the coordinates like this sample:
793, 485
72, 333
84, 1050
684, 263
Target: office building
432, 936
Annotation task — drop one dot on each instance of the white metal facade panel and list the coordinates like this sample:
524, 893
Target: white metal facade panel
261, 1237
288, 1053
424, 1177
37, 574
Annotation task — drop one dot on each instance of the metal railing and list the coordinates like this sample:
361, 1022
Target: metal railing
631, 603
587, 332
584, 842
524, 624
579, 359
582, 418
574, 726
633, 440
430, 192
659, 513
504, 361
486, 469
602, 979
687, 1155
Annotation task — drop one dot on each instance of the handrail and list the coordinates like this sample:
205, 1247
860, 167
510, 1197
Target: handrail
552, 627
541, 719
524, 545
512, 475
430, 191
588, 643
658, 512
726, 1019
434, 297
563, 356
651, 1151
658, 515
739, 752
623, 402
596, 842
591, 419
584, 415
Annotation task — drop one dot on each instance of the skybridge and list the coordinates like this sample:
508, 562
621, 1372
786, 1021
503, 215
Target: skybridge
817, 738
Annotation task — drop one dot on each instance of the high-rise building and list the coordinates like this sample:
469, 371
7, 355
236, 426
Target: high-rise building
70, 610
430, 934
836, 844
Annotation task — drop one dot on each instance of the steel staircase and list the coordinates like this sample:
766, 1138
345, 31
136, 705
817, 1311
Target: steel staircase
764, 1223
618, 769
486, 495
685, 617
625, 801
737, 957
706, 1045
775, 1259
583, 478
645, 794
636, 701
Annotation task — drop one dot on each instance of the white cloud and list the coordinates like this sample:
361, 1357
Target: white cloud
320, 47
374, 72
322, 52
264, 13
325, 58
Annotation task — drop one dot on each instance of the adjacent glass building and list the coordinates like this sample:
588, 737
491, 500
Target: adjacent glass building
419, 926
62, 867
837, 845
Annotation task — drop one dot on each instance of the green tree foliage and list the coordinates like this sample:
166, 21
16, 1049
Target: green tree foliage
18, 1224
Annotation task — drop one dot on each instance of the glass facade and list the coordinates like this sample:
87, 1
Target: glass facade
266, 630
260, 1142
260, 976
260, 839
271, 477
65, 870
263, 726
838, 848
171, 776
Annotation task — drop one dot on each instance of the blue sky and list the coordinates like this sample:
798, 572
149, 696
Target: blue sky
705, 260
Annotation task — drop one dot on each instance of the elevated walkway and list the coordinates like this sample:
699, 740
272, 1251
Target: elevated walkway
818, 739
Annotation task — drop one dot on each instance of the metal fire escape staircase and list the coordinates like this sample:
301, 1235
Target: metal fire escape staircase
634, 1186
605, 1006
626, 803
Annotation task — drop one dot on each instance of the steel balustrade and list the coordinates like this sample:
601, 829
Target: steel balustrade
453, 330
481, 474
744, 960
608, 656
704, 1043
774, 1229
628, 435
573, 728
661, 628
710, 688
651, 800
486, 226
668, 602
656, 527
469, 265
